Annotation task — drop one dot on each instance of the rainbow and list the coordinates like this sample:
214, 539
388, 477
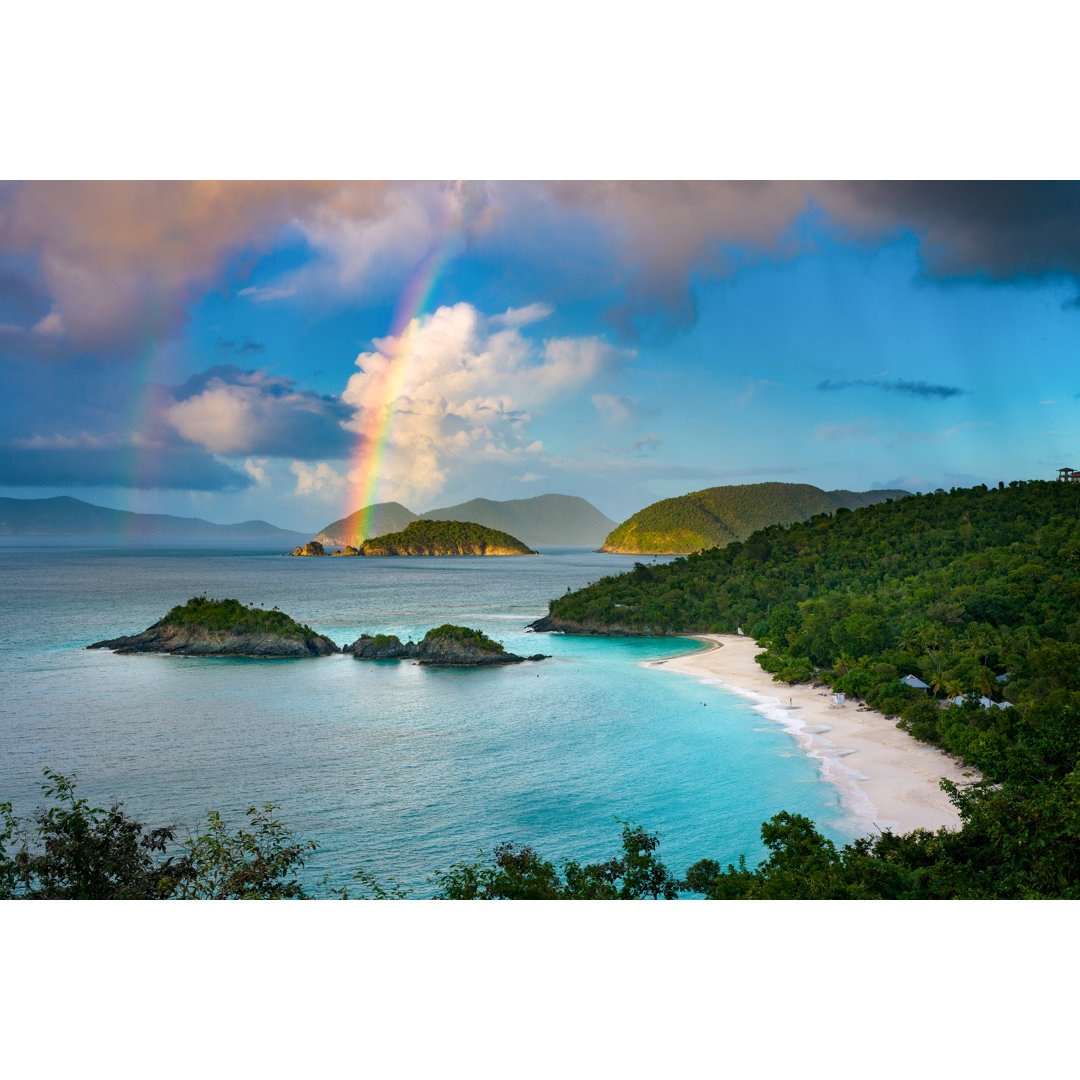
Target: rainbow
369, 450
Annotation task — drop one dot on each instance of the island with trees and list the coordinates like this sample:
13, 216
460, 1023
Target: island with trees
206, 627
457, 646
425, 537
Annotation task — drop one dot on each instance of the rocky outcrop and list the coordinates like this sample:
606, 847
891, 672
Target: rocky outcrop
548, 625
312, 547
452, 646
348, 549
381, 647
190, 639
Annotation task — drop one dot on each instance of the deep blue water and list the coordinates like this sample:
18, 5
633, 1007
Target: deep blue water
390, 766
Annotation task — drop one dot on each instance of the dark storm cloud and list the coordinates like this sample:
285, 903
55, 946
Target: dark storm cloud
134, 467
893, 386
664, 234
996, 229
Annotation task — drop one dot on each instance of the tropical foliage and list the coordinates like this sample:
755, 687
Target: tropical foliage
474, 639
73, 851
233, 617
444, 538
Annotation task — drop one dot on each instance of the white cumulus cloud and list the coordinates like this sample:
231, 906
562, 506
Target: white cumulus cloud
457, 385
318, 479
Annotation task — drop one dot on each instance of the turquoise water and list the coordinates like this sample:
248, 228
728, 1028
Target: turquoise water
389, 766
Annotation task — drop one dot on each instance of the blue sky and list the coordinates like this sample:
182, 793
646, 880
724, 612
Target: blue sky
226, 350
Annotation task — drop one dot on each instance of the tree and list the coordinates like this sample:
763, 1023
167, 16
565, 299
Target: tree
73, 851
82, 852
259, 864
520, 874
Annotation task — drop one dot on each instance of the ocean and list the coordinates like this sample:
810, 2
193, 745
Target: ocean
394, 768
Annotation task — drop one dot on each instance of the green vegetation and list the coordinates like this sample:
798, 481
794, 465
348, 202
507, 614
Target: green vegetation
1020, 840
381, 641
72, 851
511, 874
230, 616
717, 516
445, 538
472, 639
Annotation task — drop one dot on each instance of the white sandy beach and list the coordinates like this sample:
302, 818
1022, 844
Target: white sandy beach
888, 780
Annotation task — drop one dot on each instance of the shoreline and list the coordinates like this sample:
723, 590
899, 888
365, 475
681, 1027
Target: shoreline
887, 779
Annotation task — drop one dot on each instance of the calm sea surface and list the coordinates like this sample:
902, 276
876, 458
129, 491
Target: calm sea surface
389, 766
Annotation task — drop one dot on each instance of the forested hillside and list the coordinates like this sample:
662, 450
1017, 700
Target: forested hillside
974, 592
716, 516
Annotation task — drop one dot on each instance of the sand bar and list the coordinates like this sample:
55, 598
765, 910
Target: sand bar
887, 779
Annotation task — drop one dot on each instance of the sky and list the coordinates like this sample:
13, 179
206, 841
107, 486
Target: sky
291, 351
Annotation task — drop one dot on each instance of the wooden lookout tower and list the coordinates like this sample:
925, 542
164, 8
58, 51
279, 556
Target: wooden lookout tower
1071, 476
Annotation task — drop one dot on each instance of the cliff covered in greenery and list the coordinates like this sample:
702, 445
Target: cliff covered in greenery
717, 516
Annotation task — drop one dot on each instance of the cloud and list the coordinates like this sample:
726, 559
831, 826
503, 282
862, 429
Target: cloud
889, 434
752, 390
256, 469
857, 431
267, 293
647, 443
122, 260
243, 346
453, 388
522, 316
51, 324
81, 440
615, 409
529, 477
417, 226
894, 386
227, 410
320, 479
995, 230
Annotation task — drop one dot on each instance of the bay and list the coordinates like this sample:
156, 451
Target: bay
390, 766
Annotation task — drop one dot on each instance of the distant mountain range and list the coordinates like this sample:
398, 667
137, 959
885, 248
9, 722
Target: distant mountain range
717, 516
550, 520
388, 517
64, 516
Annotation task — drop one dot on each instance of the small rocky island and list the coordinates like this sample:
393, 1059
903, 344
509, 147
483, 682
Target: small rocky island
453, 645
431, 538
203, 627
